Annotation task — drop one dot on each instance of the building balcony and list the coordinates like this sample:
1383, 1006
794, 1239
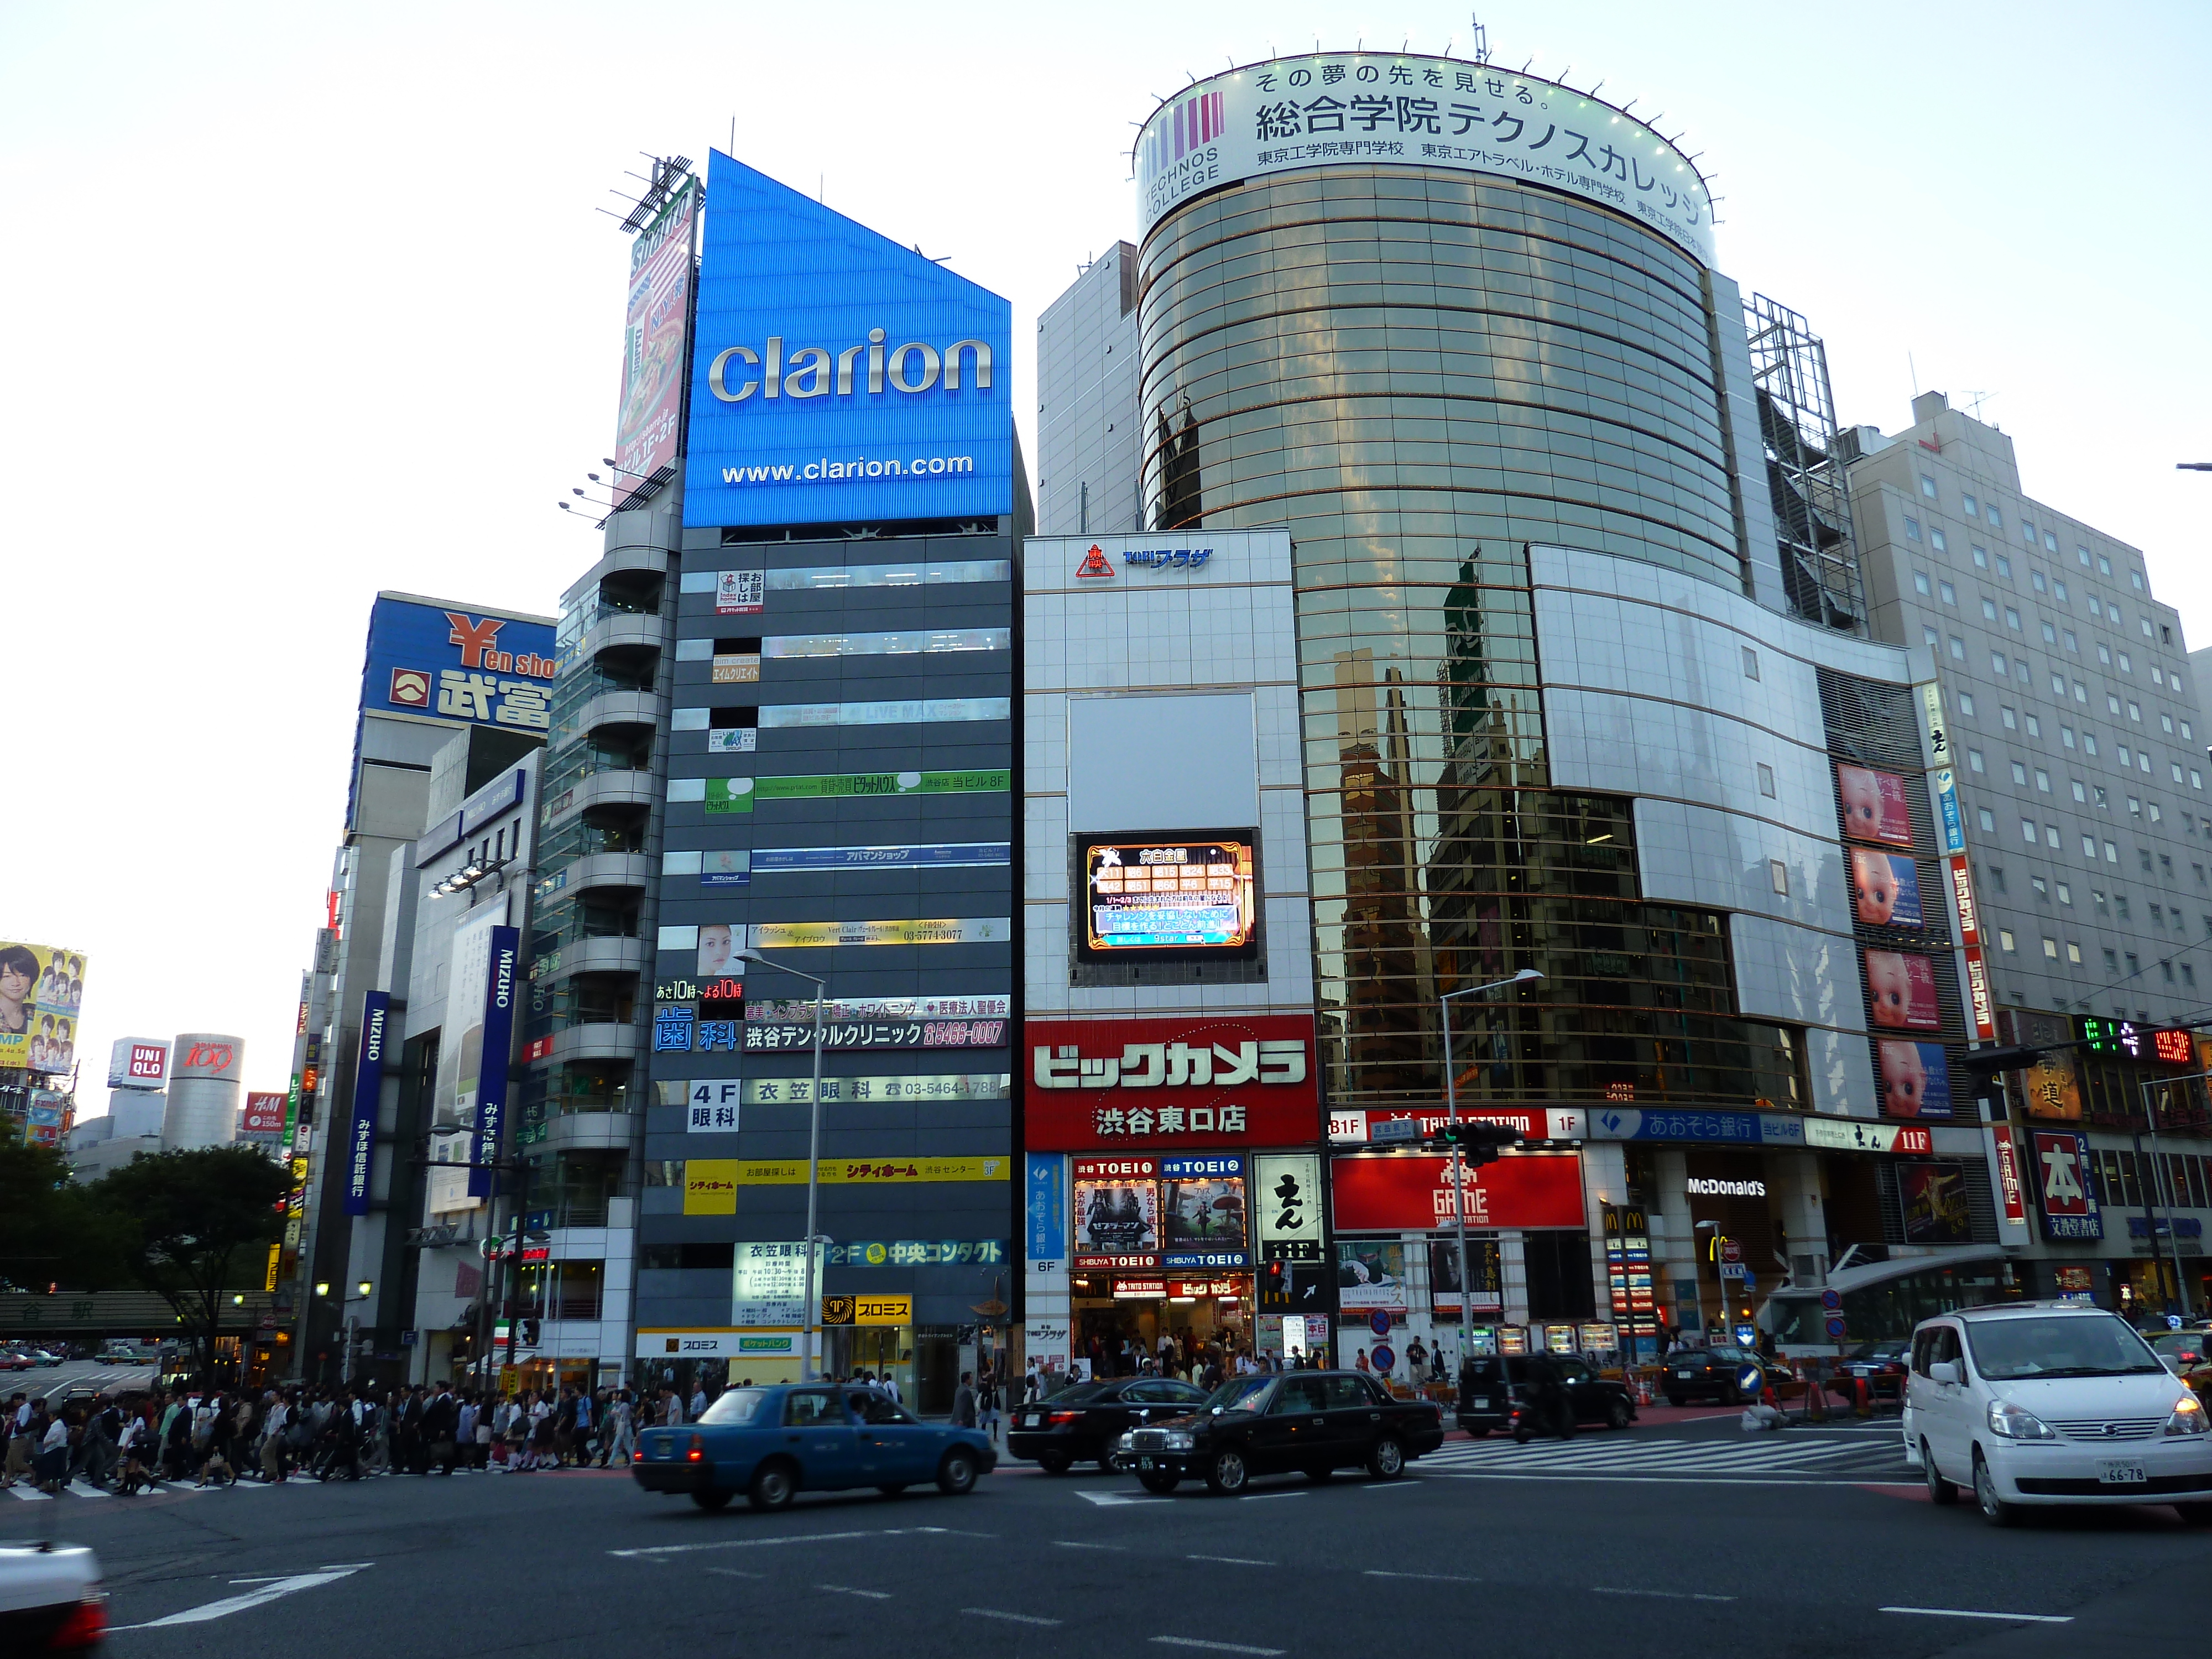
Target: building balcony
620, 629
612, 953
602, 869
622, 788
618, 706
593, 1042
590, 1131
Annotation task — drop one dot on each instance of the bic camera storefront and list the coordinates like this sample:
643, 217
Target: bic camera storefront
1177, 1211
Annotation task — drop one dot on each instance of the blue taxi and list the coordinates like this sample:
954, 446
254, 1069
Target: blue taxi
772, 1443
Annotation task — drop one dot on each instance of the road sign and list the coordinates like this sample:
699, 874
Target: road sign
1381, 1132
1832, 1300
1751, 1380
1382, 1358
1730, 1251
1836, 1326
1379, 1321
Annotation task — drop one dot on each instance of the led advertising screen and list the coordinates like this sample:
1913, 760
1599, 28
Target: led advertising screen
1183, 896
1202, 1206
836, 375
648, 430
41, 991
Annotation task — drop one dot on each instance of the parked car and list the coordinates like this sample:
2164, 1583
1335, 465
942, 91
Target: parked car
1883, 1365
50, 1599
1086, 1421
1714, 1373
1314, 1423
772, 1443
2054, 1403
1491, 1389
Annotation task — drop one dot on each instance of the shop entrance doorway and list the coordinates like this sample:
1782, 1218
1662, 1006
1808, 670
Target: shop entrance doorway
1177, 1324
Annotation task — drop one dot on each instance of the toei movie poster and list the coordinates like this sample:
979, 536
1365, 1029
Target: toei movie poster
1117, 1212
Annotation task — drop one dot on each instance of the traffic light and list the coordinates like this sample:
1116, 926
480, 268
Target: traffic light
1274, 1287
1478, 1142
1985, 1063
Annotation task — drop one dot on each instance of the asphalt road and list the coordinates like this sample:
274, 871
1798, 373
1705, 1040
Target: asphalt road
56, 1383
1658, 1542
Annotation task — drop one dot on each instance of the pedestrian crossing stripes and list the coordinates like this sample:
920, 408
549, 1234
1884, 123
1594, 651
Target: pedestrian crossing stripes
1807, 1456
24, 1492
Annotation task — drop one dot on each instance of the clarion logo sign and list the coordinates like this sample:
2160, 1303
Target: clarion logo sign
811, 372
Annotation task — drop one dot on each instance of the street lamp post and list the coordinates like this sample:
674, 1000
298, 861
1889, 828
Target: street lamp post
813, 1153
2155, 1190
1526, 975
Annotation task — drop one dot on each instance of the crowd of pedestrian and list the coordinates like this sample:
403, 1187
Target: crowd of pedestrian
215, 1437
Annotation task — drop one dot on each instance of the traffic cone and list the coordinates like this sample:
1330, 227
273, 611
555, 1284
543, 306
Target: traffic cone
1863, 1402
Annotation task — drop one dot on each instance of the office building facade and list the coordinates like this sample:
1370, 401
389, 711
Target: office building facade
839, 801
2077, 742
1585, 689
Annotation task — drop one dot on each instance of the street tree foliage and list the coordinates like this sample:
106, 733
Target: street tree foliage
52, 1234
195, 1222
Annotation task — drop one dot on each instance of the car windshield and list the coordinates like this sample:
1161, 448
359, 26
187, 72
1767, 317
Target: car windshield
2012, 1350
735, 1406
1079, 1394
1243, 1394
2182, 1345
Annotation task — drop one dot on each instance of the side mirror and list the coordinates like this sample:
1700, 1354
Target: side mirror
1946, 1371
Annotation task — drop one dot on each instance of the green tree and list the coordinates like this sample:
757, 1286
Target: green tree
194, 1220
52, 1232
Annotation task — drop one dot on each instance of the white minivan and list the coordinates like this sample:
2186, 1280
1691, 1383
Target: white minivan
2053, 1402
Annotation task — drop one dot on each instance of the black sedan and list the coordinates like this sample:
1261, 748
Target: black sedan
1084, 1422
1491, 1389
1717, 1373
1314, 1423
1883, 1365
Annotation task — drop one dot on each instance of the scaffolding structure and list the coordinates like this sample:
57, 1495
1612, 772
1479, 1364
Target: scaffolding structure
1804, 468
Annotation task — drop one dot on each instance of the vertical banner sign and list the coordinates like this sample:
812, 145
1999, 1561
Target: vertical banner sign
1047, 1207
368, 1090
2010, 1191
498, 1046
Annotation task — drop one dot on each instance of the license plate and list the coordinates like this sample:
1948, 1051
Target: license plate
1032, 1420
1144, 1463
1482, 1405
1683, 1374
2121, 1474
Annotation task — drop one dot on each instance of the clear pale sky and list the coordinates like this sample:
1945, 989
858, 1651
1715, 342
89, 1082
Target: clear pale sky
300, 302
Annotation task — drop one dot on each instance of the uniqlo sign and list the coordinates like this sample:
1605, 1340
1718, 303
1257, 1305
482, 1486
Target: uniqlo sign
1138, 1085
2062, 1178
1402, 1192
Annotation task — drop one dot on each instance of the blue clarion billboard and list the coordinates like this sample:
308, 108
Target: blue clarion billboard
837, 376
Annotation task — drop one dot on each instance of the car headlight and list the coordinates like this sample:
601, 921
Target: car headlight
2188, 1416
1125, 1442
1177, 1439
2018, 1423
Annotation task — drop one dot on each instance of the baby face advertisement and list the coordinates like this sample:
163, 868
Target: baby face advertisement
1915, 1081
1874, 805
1884, 888
1902, 989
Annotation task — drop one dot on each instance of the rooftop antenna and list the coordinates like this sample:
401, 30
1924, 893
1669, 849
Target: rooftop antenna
1481, 38
1914, 372
1975, 399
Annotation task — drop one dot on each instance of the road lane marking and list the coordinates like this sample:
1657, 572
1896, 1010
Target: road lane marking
846, 1589
1067, 1544
1435, 1577
267, 1592
1253, 1497
1117, 1499
1966, 1613
30, 1495
1217, 1647
1404, 1483
733, 1572
1664, 1595
743, 1543
1010, 1617
1234, 1560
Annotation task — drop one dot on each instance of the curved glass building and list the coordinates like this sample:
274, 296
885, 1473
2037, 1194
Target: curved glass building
1424, 365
